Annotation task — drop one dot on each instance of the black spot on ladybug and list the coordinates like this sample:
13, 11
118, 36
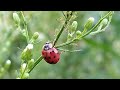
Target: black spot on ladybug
51, 62
49, 57
44, 57
58, 58
52, 51
54, 56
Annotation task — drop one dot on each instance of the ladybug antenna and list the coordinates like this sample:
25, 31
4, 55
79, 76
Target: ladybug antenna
65, 50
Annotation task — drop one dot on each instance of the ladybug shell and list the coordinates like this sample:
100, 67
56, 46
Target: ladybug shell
51, 56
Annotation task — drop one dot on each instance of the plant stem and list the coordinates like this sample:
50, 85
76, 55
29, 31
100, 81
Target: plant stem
36, 62
67, 43
63, 27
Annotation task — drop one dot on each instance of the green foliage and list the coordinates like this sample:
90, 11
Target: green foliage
98, 58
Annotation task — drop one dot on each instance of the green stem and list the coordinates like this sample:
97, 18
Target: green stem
64, 44
67, 43
63, 27
37, 61
98, 31
84, 31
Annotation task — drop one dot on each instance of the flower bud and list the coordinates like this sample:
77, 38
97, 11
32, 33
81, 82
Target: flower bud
23, 66
74, 26
89, 23
27, 52
2, 70
104, 22
26, 75
30, 64
35, 35
18, 78
16, 18
30, 46
7, 64
69, 37
78, 34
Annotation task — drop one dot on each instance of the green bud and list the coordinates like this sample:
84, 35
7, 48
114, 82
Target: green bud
27, 52
30, 64
69, 36
2, 70
74, 26
26, 75
89, 23
78, 34
16, 18
23, 66
17, 78
35, 35
104, 22
7, 64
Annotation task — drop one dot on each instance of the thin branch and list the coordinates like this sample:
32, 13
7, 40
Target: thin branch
37, 61
67, 43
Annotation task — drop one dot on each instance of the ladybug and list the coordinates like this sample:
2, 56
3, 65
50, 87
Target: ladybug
50, 54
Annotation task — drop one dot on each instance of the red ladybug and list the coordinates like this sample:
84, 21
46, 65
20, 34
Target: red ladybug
50, 54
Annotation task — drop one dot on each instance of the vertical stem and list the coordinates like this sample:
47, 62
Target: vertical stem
63, 27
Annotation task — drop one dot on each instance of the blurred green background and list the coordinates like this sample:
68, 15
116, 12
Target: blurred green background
99, 58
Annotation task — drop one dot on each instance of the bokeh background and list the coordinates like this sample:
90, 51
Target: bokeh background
99, 58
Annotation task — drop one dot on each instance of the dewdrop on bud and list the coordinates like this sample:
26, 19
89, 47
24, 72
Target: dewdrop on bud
35, 35
89, 23
7, 64
30, 63
74, 26
104, 22
78, 34
26, 75
16, 18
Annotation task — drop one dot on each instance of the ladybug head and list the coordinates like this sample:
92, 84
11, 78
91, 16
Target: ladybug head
47, 46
